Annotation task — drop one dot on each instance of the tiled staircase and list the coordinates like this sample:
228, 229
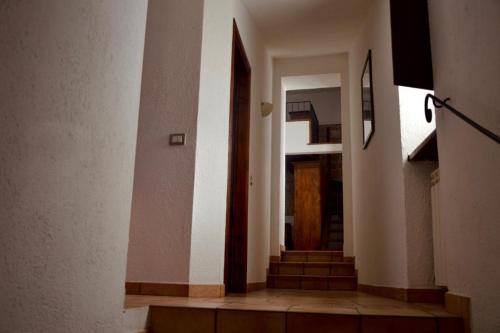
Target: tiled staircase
313, 270
335, 233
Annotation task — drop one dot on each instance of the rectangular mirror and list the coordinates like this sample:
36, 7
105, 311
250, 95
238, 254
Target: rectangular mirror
367, 108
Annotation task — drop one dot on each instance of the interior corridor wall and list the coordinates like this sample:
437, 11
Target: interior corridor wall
160, 231
417, 185
336, 63
210, 190
466, 50
392, 209
70, 76
377, 171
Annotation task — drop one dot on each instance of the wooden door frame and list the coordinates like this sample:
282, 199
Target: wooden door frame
238, 54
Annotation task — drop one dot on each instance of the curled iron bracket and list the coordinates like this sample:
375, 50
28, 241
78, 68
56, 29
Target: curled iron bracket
438, 104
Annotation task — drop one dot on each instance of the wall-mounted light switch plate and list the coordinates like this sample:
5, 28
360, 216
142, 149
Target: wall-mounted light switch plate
177, 139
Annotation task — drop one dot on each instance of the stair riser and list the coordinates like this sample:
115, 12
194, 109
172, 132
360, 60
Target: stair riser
311, 283
316, 270
189, 320
311, 258
333, 259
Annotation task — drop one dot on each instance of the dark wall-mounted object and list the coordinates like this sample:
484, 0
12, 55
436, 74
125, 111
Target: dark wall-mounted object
177, 139
367, 104
411, 45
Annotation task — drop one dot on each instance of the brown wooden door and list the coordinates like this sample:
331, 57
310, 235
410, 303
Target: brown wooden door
308, 206
235, 267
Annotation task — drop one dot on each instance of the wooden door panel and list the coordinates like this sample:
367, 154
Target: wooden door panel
235, 262
308, 206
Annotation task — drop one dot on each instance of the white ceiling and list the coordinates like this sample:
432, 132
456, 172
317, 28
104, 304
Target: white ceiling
319, 81
308, 27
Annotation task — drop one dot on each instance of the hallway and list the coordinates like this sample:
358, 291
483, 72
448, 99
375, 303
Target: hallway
138, 155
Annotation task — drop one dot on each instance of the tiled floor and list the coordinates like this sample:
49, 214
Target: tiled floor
294, 311
341, 302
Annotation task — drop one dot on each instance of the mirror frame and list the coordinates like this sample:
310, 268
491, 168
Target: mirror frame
368, 62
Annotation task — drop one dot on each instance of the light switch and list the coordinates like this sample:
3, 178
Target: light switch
177, 139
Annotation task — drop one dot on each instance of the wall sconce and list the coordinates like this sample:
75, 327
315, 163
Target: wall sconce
266, 109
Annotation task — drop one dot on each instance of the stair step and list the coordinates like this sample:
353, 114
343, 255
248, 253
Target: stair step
311, 282
313, 269
312, 256
265, 318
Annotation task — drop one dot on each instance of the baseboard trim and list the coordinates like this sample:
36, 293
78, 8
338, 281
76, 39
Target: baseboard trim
460, 306
174, 289
436, 296
207, 290
256, 286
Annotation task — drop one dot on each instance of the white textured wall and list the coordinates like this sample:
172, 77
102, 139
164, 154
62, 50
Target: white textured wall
160, 232
259, 201
377, 172
283, 68
70, 74
414, 129
297, 140
209, 202
466, 50
210, 191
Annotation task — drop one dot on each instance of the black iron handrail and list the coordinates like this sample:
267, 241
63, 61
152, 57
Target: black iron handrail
309, 109
438, 104
299, 106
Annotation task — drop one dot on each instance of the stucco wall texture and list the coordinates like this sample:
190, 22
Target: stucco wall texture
414, 129
177, 232
210, 191
70, 74
160, 231
377, 172
465, 49
390, 195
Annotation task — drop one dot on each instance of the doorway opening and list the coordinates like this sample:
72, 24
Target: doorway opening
313, 169
235, 262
